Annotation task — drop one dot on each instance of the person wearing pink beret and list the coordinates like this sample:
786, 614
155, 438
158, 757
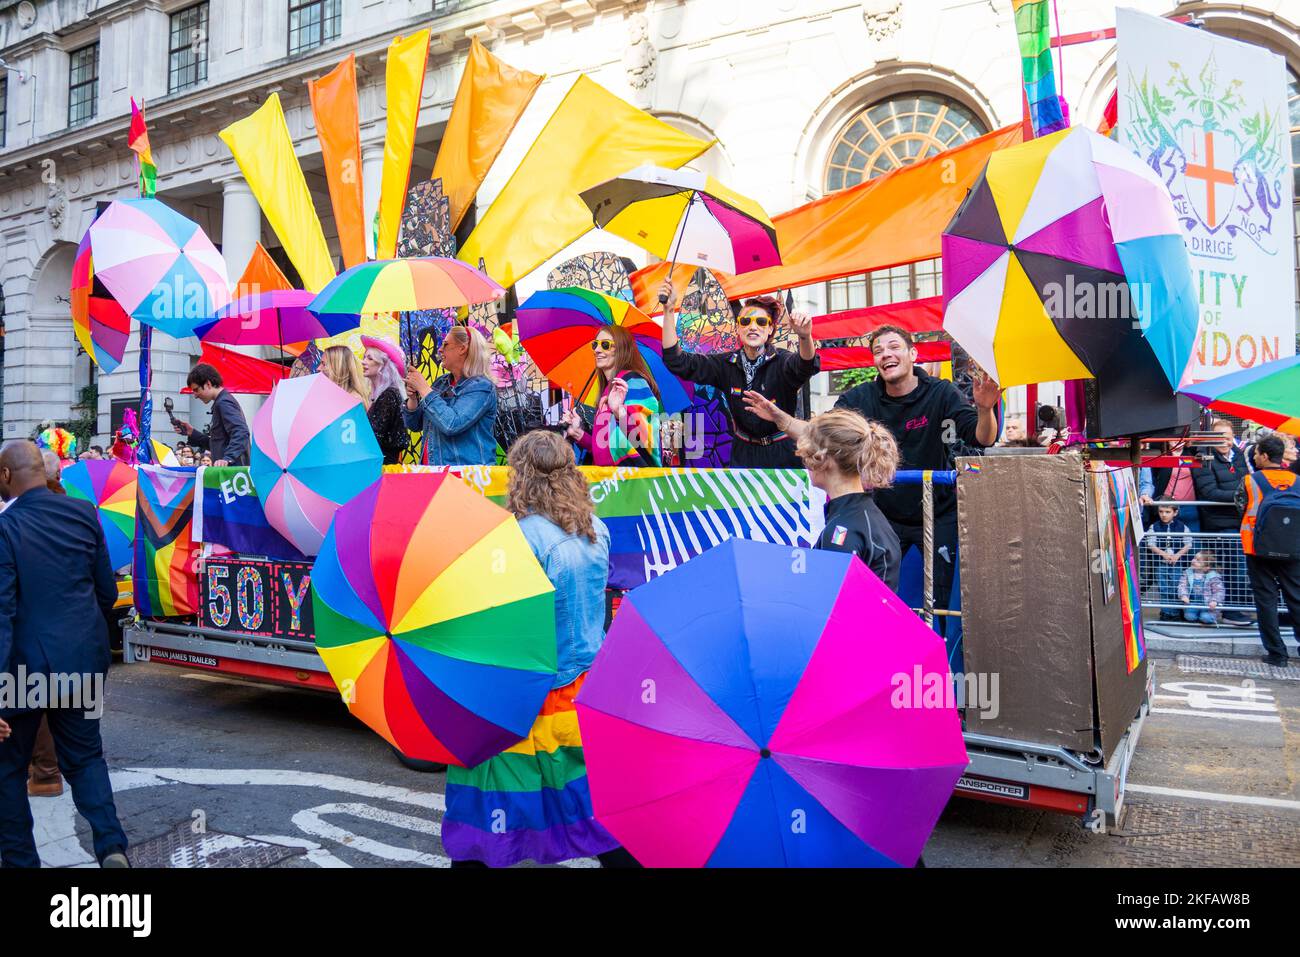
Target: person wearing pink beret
385, 368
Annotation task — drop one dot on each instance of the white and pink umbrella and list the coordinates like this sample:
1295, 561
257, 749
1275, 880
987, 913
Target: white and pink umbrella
160, 267
313, 450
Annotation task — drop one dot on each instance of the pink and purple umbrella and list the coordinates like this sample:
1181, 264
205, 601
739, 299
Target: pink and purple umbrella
160, 267
757, 707
272, 319
313, 449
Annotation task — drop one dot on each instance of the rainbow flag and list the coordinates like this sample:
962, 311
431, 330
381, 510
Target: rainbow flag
166, 585
1047, 111
1123, 536
138, 141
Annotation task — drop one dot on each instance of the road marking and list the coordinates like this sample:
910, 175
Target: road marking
1264, 719
311, 821
315, 853
1210, 796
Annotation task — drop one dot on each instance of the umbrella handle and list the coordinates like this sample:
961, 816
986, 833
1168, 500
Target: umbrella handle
663, 298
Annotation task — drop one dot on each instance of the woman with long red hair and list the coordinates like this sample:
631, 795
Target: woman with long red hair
625, 430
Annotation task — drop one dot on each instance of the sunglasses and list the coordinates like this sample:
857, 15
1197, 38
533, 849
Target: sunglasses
602, 345
761, 321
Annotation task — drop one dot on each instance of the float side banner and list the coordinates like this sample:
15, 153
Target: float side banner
1210, 116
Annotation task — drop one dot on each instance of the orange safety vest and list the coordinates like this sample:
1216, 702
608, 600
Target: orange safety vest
1281, 480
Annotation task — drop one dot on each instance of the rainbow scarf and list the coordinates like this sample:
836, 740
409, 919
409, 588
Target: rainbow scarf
1046, 109
531, 802
165, 583
138, 141
619, 440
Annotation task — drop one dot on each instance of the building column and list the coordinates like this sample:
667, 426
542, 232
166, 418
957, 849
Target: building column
372, 175
241, 225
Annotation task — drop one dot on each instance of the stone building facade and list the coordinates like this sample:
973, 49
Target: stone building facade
801, 96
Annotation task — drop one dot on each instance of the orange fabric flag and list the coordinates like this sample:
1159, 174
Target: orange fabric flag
888, 221
260, 275
489, 101
334, 105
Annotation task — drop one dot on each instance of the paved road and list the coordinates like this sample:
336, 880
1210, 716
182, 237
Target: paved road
1215, 781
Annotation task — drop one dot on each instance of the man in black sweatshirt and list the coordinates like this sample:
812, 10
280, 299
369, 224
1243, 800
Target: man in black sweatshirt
928, 417
227, 438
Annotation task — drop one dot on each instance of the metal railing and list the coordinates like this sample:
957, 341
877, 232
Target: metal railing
1185, 594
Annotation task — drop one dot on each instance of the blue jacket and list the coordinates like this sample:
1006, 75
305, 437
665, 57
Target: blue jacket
579, 570
457, 421
56, 586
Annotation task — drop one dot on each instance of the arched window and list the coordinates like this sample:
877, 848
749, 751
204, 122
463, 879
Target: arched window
894, 132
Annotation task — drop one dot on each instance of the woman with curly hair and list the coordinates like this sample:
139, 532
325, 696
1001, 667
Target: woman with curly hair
541, 783
848, 457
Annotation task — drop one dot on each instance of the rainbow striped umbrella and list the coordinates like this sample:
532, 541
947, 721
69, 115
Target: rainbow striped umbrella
111, 487
558, 326
1268, 394
403, 285
434, 618
101, 324
685, 217
272, 319
160, 266
313, 449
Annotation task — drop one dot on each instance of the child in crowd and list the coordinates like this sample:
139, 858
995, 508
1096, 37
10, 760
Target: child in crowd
1171, 541
1202, 586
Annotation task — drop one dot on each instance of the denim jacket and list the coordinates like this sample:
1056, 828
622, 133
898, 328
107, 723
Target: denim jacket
457, 421
579, 570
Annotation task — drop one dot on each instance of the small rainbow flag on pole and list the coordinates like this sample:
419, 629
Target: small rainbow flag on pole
1033, 29
138, 141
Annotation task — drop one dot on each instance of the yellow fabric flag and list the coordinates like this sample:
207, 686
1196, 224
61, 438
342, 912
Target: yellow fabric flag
489, 101
593, 136
406, 60
262, 147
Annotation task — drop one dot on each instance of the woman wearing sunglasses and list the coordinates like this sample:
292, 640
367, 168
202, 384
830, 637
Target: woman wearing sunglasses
625, 430
757, 366
457, 413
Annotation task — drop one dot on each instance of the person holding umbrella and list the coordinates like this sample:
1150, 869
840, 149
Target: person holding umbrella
457, 412
385, 369
627, 415
542, 782
757, 366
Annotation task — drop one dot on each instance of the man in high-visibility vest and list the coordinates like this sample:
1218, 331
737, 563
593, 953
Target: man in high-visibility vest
1269, 502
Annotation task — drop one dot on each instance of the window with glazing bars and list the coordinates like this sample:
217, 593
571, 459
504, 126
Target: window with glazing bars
187, 55
312, 23
83, 84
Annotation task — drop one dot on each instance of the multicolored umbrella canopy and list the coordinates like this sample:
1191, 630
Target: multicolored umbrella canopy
1063, 244
158, 265
558, 326
313, 449
403, 285
434, 618
772, 705
109, 486
272, 319
102, 326
1268, 393
685, 217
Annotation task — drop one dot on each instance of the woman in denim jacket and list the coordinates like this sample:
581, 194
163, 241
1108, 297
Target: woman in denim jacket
458, 412
544, 774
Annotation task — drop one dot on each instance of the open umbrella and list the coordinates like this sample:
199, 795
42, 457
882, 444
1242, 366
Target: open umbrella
313, 449
558, 326
160, 266
1064, 246
1268, 393
746, 710
685, 217
272, 319
434, 618
111, 488
100, 323
403, 285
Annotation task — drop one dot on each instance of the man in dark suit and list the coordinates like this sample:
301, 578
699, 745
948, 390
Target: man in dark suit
56, 588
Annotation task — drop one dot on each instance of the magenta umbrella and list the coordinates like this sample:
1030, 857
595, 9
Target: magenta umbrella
754, 709
272, 319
